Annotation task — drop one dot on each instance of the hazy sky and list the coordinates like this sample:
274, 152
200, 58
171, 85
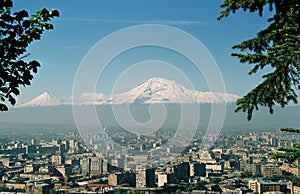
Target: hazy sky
83, 23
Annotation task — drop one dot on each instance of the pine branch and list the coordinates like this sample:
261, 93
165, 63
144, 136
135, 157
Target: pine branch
277, 46
293, 130
290, 157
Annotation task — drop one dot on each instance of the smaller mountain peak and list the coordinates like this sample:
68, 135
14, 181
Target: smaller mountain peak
44, 99
46, 95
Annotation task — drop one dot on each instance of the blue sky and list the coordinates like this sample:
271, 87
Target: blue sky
83, 23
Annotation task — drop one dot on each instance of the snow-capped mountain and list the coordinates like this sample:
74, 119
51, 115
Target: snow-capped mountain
154, 90
45, 99
159, 90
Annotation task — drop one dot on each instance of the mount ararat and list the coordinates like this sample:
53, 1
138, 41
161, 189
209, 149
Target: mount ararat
154, 90
47, 109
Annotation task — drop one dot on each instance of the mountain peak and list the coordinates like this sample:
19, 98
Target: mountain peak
155, 85
159, 80
44, 99
45, 94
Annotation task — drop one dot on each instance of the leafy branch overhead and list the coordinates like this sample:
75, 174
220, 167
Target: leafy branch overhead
277, 46
17, 31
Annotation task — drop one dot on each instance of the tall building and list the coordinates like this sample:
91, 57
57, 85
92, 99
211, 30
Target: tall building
182, 171
93, 165
145, 176
85, 166
104, 166
115, 179
162, 179
197, 169
118, 178
65, 143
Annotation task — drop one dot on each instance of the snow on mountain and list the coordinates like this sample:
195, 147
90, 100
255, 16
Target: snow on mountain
154, 90
45, 99
159, 90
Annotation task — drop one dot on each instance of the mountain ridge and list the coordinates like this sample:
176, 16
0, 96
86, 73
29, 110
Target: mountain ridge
154, 90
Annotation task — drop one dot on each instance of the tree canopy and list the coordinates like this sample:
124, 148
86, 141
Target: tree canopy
276, 46
17, 31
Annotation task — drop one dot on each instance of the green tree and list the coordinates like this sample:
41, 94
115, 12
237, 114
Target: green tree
276, 46
17, 31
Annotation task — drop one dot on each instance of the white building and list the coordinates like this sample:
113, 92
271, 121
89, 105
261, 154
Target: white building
162, 179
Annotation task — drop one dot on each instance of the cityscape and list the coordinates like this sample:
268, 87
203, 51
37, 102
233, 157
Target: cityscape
149, 97
238, 162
